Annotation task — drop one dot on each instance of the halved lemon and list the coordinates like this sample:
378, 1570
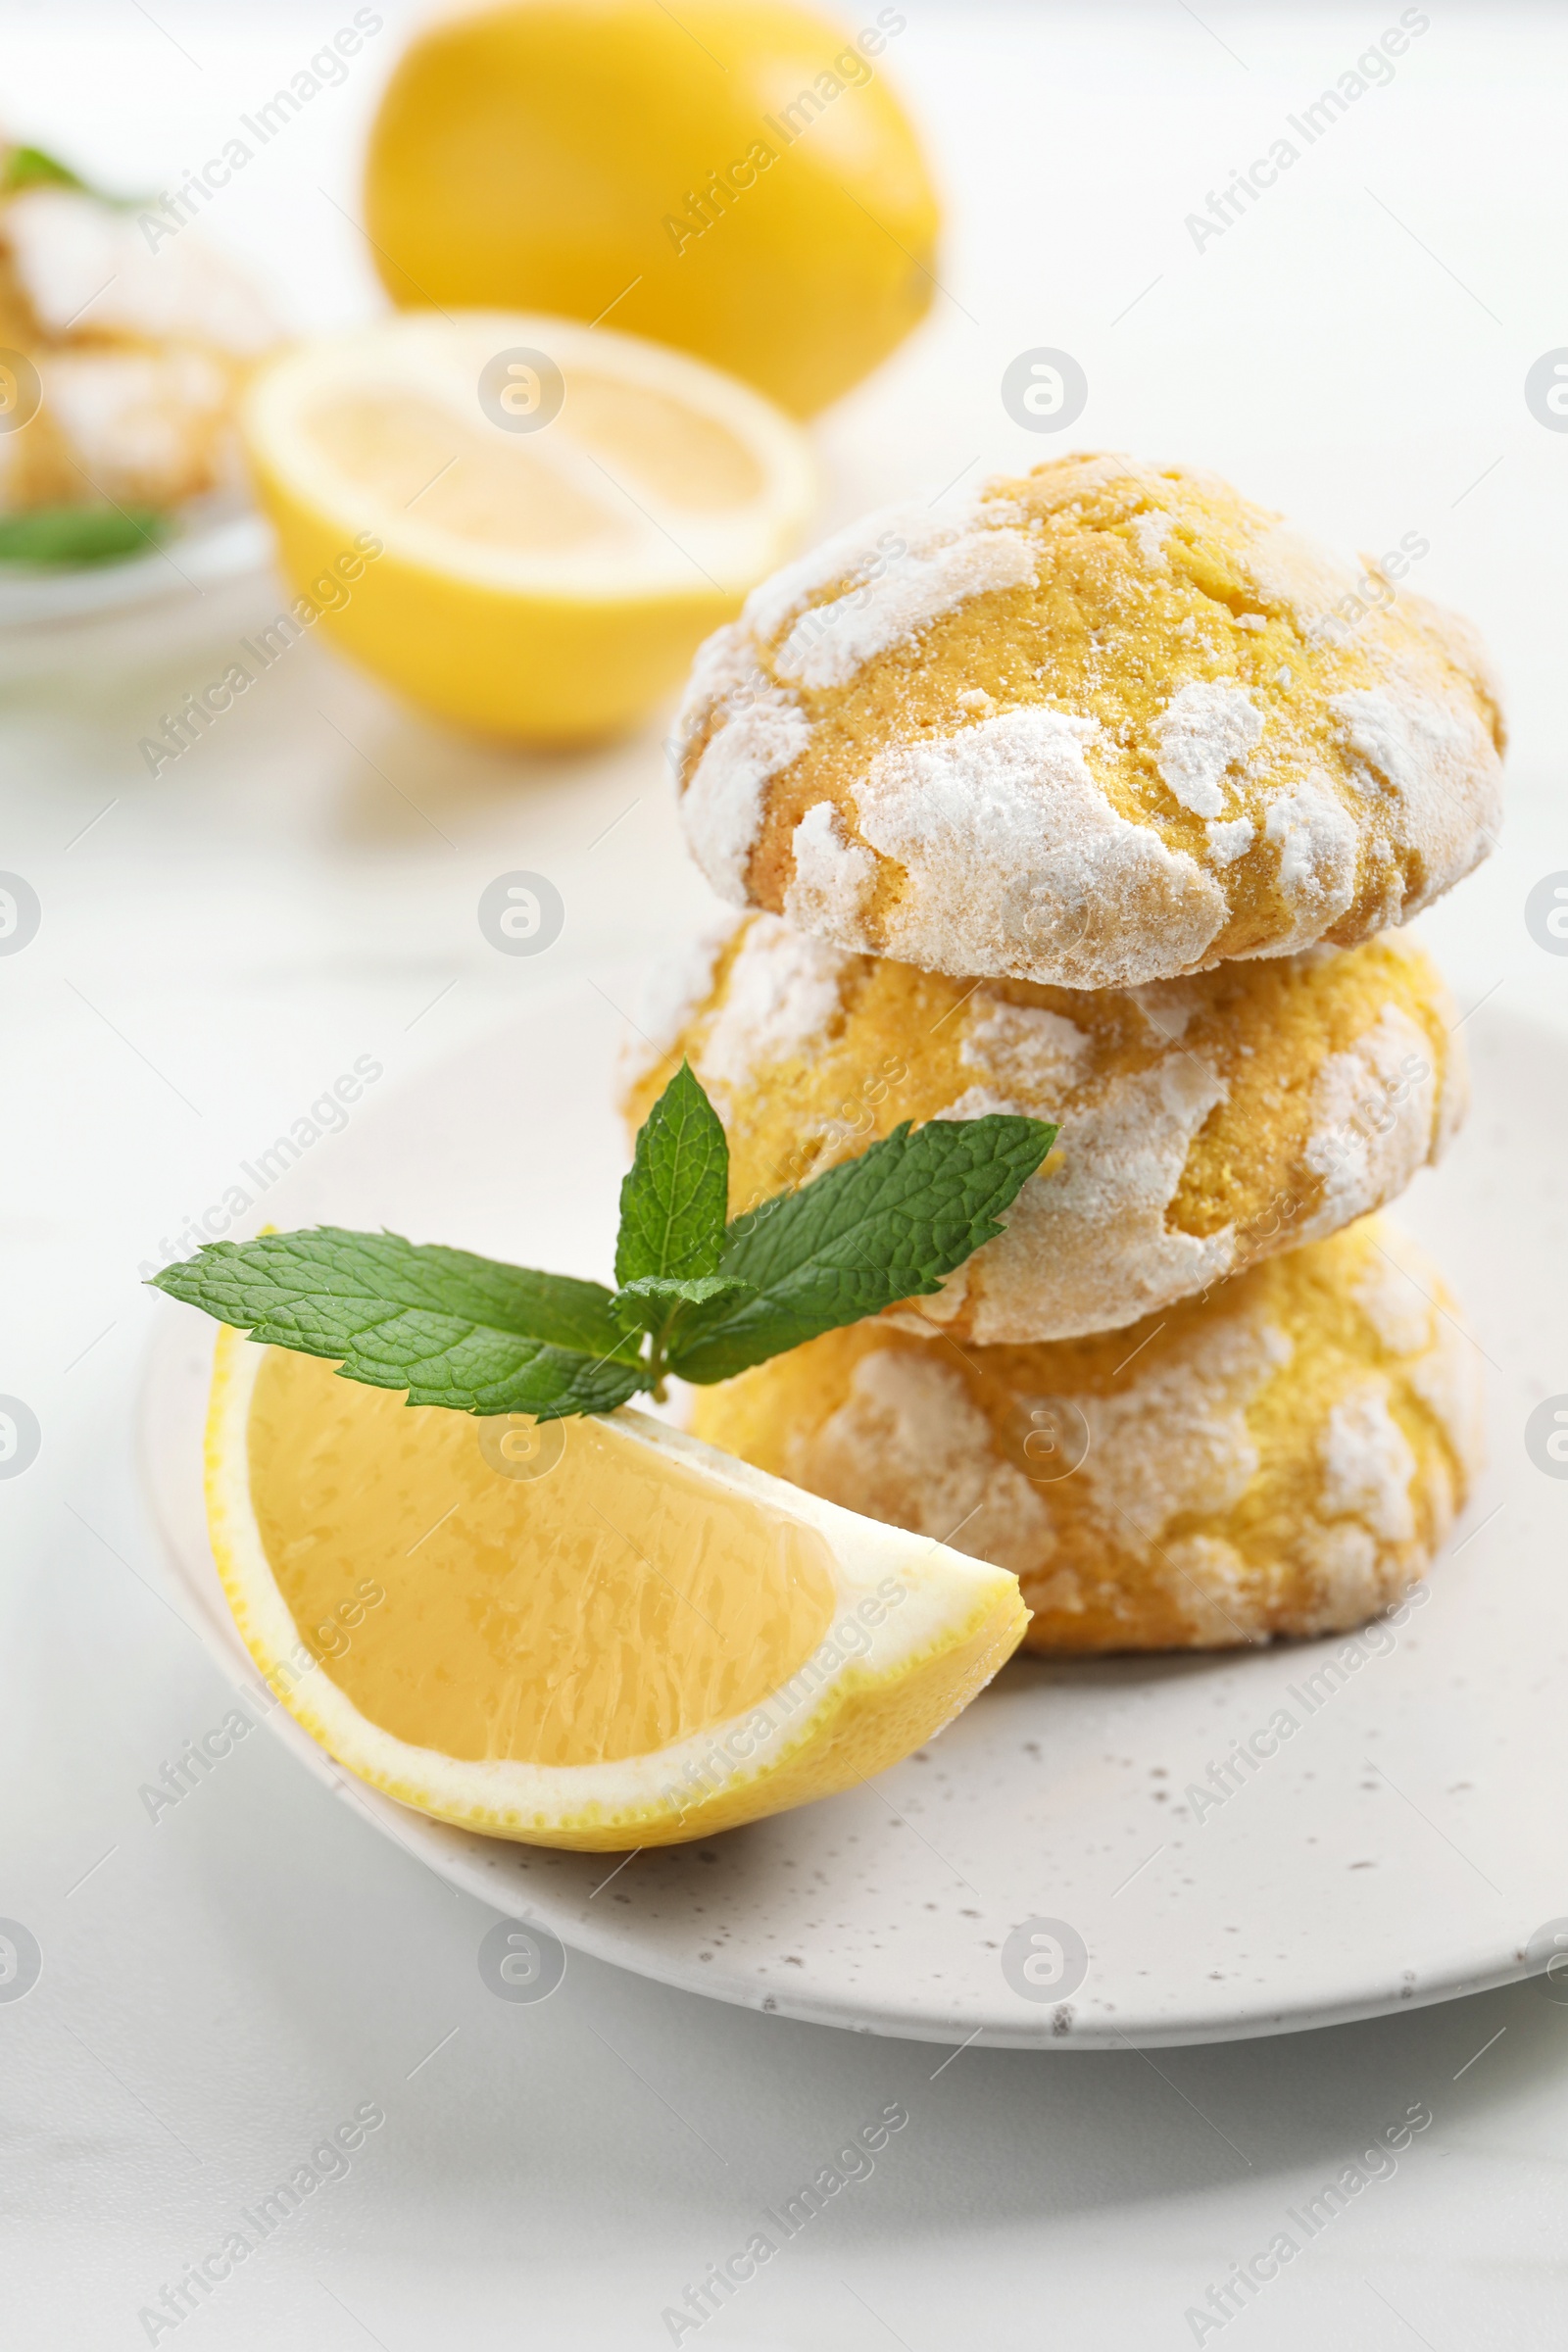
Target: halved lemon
594, 1633
523, 523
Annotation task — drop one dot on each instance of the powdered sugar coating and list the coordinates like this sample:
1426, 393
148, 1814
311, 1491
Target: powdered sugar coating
1151, 533
670, 994
1204, 729
1175, 1439
1446, 1377
1221, 1598
831, 642
72, 253
1317, 843
832, 877
141, 354
908, 1445
763, 731
1018, 864
1425, 753
1394, 1303
134, 417
1167, 1007
1022, 1049
1367, 1465
1375, 1118
1349, 1566
851, 558
782, 994
1230, 840
1089, 1246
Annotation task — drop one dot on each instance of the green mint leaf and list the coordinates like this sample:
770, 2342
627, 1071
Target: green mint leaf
35, 167
674, 1200
889, 1225
451, 1328
79, 534
650, 1302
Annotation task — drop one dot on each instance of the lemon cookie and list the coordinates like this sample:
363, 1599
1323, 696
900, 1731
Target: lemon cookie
1283, 1458
140, 353
1204, 1122
1111, 723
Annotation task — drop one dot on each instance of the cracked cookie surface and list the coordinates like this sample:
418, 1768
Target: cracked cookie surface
1204, 1122
1283, 1458
1111, 723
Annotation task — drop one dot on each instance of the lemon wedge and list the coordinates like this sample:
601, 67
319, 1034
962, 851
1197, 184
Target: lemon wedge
596, 1633
522, 523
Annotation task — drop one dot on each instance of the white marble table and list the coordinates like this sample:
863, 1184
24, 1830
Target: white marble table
225, 1985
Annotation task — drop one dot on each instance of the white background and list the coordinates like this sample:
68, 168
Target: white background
221, 1988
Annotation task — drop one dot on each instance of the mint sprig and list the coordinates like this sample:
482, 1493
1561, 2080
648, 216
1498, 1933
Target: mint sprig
80, 535
697, 1296
36, 167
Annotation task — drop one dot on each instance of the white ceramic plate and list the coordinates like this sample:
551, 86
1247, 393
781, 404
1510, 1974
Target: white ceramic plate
218, 540
1405, 1846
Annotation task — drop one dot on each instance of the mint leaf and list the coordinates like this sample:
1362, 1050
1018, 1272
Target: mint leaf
889, 1225
79, 534
451, 1328
676, 1199
35, 167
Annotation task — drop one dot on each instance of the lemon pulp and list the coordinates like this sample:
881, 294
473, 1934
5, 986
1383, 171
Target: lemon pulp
506, 493
410, 450
579, 1616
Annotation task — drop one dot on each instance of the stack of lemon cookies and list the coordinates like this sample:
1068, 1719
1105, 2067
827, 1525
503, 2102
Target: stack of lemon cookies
1101, 803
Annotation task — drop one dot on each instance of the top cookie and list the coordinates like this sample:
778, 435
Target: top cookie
1111, 724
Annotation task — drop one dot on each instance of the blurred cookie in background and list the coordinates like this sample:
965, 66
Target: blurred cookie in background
125, 338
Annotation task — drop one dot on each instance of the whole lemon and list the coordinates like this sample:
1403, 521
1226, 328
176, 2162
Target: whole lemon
734, 177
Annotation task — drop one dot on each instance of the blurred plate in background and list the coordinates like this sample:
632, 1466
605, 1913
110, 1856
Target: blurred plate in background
217, 541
